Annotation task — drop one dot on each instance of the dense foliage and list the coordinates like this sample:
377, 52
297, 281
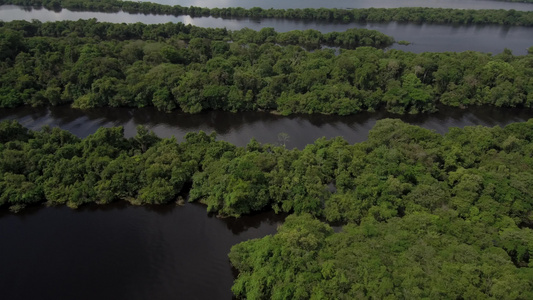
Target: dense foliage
171, 66
402, 14
399, 170
438, 255
429, 216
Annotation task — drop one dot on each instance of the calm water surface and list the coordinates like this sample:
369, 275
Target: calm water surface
424, 37
462, 4
122, 252
239, 128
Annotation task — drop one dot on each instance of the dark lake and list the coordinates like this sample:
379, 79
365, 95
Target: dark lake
423, 37
121, 251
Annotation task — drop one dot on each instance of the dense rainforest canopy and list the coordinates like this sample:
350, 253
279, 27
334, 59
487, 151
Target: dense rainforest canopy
176, 66
425, 215
402, 14
423, 255
401, 168
429, 216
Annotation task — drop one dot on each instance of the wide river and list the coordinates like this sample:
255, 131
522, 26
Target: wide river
424, 37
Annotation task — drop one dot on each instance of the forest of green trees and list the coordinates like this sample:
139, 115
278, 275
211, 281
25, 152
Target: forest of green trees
402, 14
424, 215
176, 66
428, 216
401, 168
423, 255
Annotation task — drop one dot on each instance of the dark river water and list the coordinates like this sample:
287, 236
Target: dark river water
423, 37
122, 252
239, 128
464, 4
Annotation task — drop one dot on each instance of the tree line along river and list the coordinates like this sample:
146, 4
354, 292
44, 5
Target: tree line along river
461, 4
167, 252
423, 37
240, 128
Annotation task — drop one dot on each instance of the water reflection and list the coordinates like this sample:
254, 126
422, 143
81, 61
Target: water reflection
244, 223
127, 252
463, 4
241, 127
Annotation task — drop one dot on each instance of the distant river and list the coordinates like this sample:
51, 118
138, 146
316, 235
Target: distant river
424, 37
462, 4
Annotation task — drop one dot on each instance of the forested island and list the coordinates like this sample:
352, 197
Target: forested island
176, 66
402, 14
427, 215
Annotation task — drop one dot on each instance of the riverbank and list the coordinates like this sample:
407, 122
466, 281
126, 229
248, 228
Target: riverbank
106, 167
240, 128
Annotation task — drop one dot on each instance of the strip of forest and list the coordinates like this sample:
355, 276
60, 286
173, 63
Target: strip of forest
174, 66
402, 14
400, 168
427, 215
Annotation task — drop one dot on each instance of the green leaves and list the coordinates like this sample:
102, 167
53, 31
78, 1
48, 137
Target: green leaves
480, 173
234, 186
173, 66
283, 266
410, 257
424, 212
